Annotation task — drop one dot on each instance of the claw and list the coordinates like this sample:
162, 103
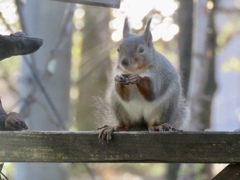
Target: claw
105, 133
163, 127
120, 79
132, 79
126, 79
104, 126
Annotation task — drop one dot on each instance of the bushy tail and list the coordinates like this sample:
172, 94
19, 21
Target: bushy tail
103, 112
183, 114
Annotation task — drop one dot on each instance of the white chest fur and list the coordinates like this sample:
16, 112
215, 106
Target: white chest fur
138, 107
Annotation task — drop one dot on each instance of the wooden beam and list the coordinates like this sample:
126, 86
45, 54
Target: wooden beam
84, 146
103, 3
232, 172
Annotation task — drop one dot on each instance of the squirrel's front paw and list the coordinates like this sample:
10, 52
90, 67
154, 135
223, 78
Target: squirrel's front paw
105, 133
126, 79
132, 79
120, 79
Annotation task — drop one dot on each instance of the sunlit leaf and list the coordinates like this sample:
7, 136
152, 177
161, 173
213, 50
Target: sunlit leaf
231, 65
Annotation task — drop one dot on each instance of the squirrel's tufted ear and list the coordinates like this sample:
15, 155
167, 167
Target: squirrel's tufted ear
147, 33
126, 29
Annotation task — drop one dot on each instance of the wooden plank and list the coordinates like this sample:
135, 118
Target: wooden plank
171, 147
103, 3
232, 172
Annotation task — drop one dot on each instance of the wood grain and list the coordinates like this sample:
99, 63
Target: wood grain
83, 146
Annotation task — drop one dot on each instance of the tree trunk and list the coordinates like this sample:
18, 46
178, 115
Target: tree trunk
94, 64
43, 19
185, 22
202, 82
226, 114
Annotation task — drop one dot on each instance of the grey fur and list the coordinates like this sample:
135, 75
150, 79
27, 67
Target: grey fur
168, 105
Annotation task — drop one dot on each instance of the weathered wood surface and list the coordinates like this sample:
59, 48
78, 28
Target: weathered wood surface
171, 147
104, 3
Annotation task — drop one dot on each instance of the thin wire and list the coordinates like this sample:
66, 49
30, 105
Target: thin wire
67, 17
46, 95
1, 167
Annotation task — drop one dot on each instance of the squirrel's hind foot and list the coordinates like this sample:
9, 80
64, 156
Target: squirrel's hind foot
105, 133
163, 128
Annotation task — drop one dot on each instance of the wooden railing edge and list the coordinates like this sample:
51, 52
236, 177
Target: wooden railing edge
84, 146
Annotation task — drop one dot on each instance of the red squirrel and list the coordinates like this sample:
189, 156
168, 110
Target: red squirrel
146, 89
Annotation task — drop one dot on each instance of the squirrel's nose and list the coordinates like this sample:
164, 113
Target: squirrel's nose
125, 62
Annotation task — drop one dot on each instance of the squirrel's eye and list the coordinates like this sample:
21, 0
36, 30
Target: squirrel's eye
118, 49
141, 49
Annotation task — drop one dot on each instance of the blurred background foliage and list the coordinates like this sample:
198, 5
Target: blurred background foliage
95, 36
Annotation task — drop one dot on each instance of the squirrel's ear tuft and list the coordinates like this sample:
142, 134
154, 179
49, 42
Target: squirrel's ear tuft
147, 33
126, 29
